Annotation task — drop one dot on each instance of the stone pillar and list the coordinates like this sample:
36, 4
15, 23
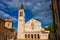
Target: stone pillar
33, 36
39, 35
36, 36
27, 36
30, 36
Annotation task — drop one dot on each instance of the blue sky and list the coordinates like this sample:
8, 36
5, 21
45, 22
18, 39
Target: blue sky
37, 9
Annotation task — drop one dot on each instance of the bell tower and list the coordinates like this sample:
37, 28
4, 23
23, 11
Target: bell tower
21, 22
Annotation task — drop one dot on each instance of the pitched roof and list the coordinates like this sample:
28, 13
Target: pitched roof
22, 7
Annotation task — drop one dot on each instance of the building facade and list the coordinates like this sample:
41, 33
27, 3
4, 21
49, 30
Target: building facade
30, 30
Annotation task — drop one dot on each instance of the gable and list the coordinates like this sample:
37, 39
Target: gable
33, 25
34, 21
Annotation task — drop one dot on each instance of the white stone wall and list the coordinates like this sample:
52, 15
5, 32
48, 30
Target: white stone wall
37, 25
41, 35
44, 36
31, 27
37, 29
21, 24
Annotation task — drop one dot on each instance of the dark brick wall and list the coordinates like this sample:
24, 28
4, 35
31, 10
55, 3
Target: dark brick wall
5, 32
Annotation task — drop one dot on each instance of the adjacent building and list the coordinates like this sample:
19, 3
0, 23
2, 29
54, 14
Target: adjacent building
31, 29
1, 29
6, 30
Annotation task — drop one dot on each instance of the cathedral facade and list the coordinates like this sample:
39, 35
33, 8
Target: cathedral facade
30, 30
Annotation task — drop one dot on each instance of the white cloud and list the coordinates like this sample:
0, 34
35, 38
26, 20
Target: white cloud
46, 26
38, 17
39, 4
3, 15
36, 7
13, 3
44, 19
2, 6
28, 3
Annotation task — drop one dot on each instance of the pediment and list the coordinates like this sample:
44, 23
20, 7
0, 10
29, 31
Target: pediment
33, 21
33, 25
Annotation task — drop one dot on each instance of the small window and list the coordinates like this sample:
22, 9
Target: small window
8, 24
35, 27
46, 34
21, 13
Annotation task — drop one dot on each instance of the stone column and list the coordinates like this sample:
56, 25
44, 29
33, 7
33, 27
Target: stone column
30, 36
39, 35
27, 36
36, 36
33, 36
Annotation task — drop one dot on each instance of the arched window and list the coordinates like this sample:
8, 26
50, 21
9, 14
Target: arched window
28, 35
38, 36
35, 36
32, 36
25, 35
